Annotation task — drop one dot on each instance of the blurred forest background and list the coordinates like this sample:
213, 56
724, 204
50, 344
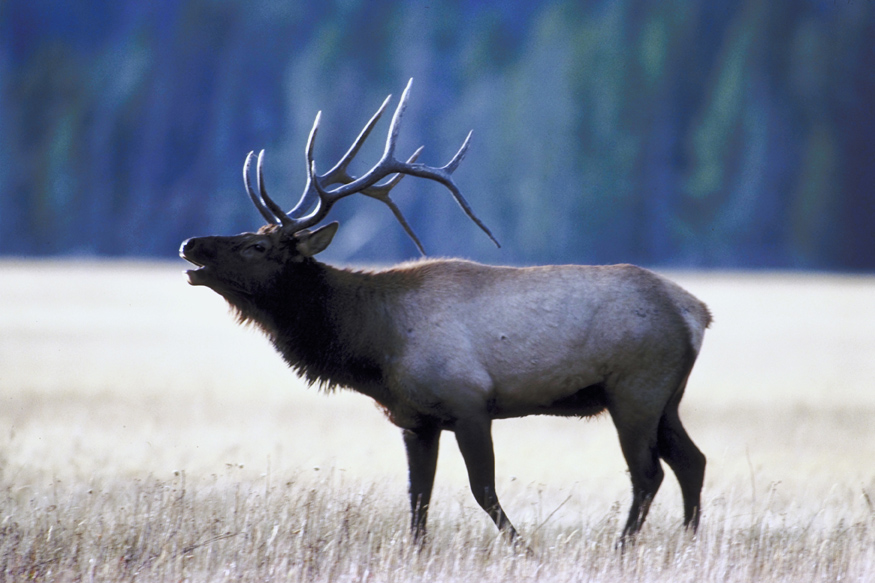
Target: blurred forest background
674, 133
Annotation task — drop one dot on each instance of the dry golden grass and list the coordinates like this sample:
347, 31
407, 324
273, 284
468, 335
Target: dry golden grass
145, 437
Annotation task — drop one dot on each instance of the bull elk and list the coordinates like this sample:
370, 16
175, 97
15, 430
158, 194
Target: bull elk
452, 345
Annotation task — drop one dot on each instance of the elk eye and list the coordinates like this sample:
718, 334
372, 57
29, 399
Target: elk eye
255, 249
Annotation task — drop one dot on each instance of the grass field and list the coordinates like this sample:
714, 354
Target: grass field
146, 437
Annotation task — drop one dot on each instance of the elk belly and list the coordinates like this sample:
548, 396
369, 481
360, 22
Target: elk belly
548, 390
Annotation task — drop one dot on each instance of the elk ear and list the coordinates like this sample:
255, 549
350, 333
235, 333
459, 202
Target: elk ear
312, 242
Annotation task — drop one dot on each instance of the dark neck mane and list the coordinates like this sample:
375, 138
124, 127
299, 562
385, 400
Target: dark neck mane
300, 313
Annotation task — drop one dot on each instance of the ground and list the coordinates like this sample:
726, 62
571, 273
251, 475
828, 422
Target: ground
145, 436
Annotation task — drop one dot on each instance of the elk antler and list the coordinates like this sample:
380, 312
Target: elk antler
317, 190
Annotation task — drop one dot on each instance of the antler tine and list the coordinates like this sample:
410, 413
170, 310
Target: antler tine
311, 139
457, 159
395, 125
306, 199
339, 173
266, 212
400, 218
273, 207
323, 204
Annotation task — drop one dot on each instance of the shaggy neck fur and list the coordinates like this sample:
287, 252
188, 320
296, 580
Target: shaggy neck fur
300, 311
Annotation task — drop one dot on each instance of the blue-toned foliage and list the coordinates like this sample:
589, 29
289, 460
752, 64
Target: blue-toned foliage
696, 133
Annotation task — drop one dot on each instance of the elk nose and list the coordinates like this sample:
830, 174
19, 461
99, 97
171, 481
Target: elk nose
187, 247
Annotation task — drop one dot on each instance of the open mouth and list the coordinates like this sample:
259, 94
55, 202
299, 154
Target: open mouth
195, 276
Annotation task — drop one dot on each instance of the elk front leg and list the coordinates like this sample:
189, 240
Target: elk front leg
475, 442
422, 451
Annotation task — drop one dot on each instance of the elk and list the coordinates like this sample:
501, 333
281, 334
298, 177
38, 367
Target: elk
453, 345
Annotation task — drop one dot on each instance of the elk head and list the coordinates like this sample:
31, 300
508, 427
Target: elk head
238, 266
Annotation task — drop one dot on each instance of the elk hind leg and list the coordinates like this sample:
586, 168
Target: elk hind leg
685, 459
639, 445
